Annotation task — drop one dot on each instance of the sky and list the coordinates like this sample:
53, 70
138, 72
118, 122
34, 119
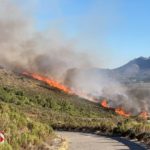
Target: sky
114, 31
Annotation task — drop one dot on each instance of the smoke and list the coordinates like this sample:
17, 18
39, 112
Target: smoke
23, 48
97, 84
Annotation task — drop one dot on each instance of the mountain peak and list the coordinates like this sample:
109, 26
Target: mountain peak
141, 62
142, 58
138, 68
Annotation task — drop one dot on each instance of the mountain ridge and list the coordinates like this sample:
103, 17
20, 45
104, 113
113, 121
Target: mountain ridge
136, 70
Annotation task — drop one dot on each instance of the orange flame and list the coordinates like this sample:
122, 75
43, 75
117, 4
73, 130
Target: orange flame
49, 81
62, 87
122, 112
104, 104
144, 115
119, 110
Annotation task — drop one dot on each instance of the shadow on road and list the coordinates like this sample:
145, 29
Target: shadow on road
130, 144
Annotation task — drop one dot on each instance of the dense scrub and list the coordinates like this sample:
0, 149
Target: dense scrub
54, 101
134, 129
59, 110
29, 108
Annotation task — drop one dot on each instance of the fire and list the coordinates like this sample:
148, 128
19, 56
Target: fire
104, 104
122, 112
144, 115
118, 110
62, 87
49, 81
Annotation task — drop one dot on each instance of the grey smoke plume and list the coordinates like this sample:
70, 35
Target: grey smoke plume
22, 47
98, 84
49, 53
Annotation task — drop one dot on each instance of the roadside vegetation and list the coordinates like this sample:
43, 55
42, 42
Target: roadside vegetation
20, 131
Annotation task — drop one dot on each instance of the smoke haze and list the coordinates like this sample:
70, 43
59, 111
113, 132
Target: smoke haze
23, 47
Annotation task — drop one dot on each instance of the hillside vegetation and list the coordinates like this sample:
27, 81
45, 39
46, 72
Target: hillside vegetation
29, 110
21, 131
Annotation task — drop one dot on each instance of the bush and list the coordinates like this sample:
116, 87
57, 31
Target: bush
20, 132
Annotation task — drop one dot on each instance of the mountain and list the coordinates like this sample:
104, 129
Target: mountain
135, 70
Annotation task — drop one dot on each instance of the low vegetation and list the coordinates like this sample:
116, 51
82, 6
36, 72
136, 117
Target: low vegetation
20, 131
30, 109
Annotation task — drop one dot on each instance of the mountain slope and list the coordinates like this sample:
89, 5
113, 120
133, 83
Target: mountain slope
137, 69
134, 71
30, 108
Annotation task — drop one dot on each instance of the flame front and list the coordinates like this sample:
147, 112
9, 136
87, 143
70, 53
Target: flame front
49, 81
104, 104
62, 87
122, 112
119, 110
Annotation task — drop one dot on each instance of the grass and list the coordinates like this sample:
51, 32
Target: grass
21, 131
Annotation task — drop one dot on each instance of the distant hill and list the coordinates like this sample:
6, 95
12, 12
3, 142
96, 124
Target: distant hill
136, 70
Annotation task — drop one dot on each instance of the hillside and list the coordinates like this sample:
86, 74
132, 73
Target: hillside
29, 110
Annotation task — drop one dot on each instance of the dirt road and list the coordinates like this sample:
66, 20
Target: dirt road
84, 141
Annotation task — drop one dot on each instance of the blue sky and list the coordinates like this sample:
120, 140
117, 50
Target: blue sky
115, 31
